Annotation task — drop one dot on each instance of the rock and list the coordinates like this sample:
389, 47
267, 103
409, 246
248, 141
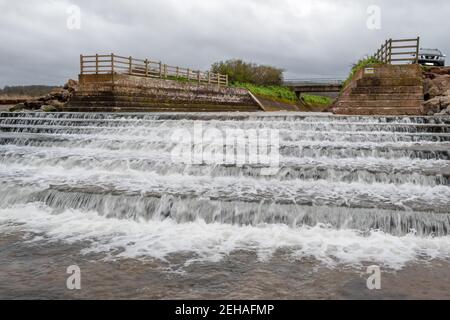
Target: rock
71, 85
55, 103
48, 108
17, 107
445, 112
436, 105
440, 70
437, 86
61, 95
34, 104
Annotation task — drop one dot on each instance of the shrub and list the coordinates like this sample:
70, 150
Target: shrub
359, 65
239, 71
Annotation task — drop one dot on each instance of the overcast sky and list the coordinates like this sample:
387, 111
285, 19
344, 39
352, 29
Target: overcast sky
319, 38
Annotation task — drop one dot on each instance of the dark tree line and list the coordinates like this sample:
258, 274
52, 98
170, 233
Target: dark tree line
35, 90
245, 72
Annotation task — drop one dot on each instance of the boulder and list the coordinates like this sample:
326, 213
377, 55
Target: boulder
48, 108
71, 85
55, 103
436, 105
437, 86
440, 70
445, 112
33, 104
17, 107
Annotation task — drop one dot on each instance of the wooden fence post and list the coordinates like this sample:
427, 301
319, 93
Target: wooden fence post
96, 63
165, 71
209, 77
112, 71
198, 76
188, 74
146, 67
226, 79
131, 63
81, 64
178, 72
386, 51
112, 63
160, 69
390, 51
417, 50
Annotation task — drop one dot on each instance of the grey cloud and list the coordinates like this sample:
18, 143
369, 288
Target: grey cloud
322, 39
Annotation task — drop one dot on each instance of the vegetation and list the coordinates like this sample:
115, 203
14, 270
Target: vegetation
363, 63
239, 71
317, 100
272, 92
284, 94
33, 91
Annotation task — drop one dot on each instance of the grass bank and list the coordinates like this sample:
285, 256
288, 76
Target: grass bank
284, 94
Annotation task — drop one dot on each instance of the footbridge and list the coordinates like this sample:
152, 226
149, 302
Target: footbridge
315, 85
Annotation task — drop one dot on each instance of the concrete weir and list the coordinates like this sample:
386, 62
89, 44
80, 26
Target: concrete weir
129, 93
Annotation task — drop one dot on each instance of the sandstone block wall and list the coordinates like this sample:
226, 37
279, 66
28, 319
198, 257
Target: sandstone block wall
383, 90
125, 93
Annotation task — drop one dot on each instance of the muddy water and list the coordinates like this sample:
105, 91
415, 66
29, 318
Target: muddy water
31, 271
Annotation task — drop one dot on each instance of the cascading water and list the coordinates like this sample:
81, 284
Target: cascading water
346, 189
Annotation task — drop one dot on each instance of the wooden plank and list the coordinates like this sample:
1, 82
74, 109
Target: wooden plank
406, 59
405, 40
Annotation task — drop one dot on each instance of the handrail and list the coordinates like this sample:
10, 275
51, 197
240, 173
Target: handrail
314, 81
387, 50
114, 64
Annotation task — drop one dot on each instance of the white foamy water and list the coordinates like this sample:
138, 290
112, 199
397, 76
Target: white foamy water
212, 242
348, 190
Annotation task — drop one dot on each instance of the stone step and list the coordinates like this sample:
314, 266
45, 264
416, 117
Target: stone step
384, 96
388, 90
380, 103
194, 99
154, 109
114, 106
395, 71
376, 81
388, 111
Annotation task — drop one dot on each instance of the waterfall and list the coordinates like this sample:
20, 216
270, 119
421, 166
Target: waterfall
363, 173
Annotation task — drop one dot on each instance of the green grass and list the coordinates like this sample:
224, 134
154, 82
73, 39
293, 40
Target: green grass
363, 63
284, 94
280, 93
317, 100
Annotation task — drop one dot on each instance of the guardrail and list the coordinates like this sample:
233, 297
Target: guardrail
313, 81
393, 51
114, 64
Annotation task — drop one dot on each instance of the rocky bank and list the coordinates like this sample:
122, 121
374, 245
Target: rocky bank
436, 91
52, 102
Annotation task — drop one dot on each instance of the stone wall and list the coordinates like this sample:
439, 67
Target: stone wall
124, 93
383, 90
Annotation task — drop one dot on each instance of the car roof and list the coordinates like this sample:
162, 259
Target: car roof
430, 51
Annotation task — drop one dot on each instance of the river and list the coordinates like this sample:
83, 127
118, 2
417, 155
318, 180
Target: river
155, 206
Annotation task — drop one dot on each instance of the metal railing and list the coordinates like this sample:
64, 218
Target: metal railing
114, 64
313, 81
399, 51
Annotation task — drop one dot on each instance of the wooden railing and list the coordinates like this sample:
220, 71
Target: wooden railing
114, 64
399, 51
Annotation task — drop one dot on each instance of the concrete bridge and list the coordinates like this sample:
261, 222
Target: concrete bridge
318, 85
